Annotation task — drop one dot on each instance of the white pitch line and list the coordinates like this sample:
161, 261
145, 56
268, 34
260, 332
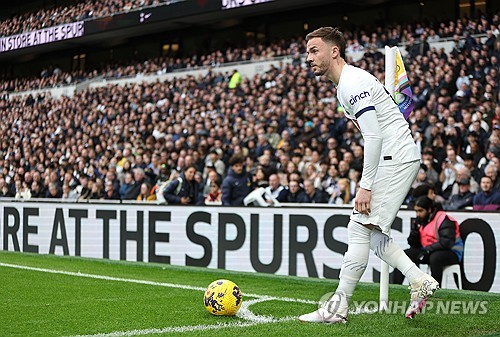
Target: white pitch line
244, 313
187, 328
153, 283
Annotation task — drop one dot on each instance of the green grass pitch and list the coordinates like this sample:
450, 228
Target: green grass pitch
108, 298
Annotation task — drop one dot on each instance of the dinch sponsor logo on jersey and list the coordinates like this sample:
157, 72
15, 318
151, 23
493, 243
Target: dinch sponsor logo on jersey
355, 99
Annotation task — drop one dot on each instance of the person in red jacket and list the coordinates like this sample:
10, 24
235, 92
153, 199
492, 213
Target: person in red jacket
434, 239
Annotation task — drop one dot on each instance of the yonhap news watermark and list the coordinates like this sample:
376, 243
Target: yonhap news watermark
330, 301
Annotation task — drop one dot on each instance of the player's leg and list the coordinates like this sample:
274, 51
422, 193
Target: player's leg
397, 275
353, 266
392, 186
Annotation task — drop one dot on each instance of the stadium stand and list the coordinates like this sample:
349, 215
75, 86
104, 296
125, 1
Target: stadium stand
82, 10
284, 121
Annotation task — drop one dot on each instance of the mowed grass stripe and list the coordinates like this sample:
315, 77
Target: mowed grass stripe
151, 283
33, 303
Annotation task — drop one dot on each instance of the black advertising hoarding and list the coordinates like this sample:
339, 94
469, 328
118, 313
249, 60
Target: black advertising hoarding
168, 11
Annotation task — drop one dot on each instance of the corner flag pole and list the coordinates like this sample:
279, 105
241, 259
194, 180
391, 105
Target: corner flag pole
390, 74
398, 86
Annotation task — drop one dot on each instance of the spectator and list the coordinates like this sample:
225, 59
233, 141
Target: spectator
135, 190
23, 192
146, 194
342, 195
237, 184
488, 199
184, 189
428, 190
53, 192
434, 239
68, 193
491, 171
462, 199
313, 194
127, 186
214, 197
275, 188
296, 194
214, 159
110, 193
448, 174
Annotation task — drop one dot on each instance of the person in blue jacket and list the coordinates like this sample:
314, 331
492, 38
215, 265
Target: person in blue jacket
237, 184
184, 189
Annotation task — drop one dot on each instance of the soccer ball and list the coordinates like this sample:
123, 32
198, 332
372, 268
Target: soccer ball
222, 298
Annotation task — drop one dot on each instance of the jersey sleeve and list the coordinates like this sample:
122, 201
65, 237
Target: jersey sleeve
370, 129
359, 95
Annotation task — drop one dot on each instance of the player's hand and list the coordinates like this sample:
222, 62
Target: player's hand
362, 202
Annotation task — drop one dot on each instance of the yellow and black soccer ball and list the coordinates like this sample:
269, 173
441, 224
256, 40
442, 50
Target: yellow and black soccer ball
223, 298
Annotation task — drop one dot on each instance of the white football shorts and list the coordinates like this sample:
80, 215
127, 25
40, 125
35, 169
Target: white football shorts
389, 190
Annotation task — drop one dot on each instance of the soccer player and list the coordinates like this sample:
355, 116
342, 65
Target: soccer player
390, 166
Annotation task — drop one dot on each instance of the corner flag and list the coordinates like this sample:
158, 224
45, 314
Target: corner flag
396, 81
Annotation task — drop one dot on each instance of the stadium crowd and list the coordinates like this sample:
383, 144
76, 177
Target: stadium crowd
79, 11
358, 40
213, 139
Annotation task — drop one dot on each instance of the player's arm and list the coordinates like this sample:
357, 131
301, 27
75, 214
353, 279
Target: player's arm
372, 135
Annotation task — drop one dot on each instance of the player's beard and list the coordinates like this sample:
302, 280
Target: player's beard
321, 68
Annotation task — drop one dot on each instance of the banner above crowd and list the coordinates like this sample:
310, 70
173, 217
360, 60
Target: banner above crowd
42, 36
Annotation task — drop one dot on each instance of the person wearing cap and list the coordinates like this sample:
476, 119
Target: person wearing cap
463, 198
309, 133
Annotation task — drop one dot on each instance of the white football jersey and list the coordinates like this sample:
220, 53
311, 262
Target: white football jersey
387, 136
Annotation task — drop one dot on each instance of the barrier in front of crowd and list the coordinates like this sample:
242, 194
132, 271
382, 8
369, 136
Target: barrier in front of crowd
305, 240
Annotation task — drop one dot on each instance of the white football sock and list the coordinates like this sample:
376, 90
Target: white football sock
355, 260
390, 252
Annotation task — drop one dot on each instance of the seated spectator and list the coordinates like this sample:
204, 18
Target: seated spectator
135, 190
127, 186
438, 250
237, 184
465, 174
259, 179
146, 194
488, 199
462, 199
448, 175
184, 189
275, 188
53, 192
68, 193
212, 176
295, 193
314, 195
491, 171
23, 192
36, 192
428, 190
96, 190
214, 197
110, 193
341, 195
